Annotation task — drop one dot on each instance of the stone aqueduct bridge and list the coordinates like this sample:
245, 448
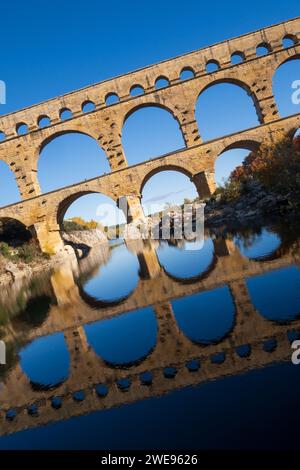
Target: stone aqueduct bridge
172, 349
43, 213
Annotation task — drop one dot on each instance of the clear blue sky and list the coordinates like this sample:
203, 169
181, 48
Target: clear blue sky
51, 48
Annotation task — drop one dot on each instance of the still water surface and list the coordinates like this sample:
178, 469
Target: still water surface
160, 347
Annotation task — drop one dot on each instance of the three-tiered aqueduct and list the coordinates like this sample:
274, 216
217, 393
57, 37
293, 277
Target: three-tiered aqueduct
42, 213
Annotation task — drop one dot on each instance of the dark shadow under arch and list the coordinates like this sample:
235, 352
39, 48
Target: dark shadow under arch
14, 232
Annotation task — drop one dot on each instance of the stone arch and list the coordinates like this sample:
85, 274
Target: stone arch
285, 59
281, 80
167, 184
166, 167
139, 134
62, 207
149, 104
13, 230
250, 145
70, 144
237, 85
234, 153
187, 73
47, 140
292, 38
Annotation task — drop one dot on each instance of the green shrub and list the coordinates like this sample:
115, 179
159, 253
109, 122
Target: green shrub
28, 252
5, 250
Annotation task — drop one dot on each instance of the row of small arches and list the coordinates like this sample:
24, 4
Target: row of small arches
146, 378
186, 73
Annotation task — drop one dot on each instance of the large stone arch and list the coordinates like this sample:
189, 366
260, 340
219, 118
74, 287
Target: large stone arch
232, 81
284, 100
90, 139
64, 131
63, 205
249, 145
7, 215
284, 59
166, 167
246, 144
148, 104
169, 112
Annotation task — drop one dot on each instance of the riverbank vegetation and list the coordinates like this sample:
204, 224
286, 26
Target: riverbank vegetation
274, 168
77, 223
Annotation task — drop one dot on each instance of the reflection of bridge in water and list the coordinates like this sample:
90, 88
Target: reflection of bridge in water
169, 363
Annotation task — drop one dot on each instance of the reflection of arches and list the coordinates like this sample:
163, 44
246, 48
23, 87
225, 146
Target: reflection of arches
207, 317
225, 108
115, 281
69, 157
261, 246
150, 130
126, 339
186, 265
276, 294
46, 361
35, 312
285, 85
9, 189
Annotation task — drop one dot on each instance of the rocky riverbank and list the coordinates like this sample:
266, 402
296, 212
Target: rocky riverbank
254, 202
77, 245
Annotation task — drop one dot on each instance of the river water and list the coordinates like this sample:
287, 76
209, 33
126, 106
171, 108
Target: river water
157, 346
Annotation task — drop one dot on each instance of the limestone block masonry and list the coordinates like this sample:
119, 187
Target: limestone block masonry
43, 213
